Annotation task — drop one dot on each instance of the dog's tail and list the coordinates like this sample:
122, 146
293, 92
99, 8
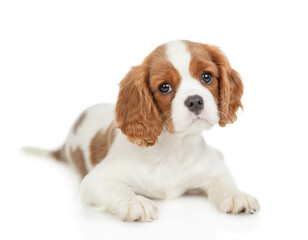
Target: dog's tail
58, 155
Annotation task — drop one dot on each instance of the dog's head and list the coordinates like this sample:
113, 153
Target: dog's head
181, 86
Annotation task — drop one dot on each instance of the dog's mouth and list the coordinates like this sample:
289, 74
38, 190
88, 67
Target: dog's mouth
198, 120
196, 124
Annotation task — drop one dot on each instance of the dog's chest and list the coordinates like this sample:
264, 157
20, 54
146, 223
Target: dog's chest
166, 175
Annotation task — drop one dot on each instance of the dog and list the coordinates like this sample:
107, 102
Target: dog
149, 145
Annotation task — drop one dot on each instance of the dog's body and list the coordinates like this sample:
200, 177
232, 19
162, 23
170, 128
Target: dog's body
150, 144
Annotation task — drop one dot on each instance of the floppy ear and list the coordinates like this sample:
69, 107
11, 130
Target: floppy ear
136, 112
230, 88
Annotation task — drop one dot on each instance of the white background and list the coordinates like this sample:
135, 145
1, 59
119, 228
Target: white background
59, 57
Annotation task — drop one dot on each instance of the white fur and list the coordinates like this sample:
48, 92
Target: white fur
129, 175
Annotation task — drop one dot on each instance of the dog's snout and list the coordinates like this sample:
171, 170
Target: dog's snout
194, 104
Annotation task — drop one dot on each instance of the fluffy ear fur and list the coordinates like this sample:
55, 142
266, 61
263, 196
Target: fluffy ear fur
230, 88
136, 112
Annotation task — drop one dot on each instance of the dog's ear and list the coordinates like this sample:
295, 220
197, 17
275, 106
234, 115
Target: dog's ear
230, 87
136, 112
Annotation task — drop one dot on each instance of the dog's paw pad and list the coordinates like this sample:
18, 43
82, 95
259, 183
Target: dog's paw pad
138, 209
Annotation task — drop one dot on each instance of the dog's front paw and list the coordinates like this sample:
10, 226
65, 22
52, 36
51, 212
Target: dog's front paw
138, 209
239, 203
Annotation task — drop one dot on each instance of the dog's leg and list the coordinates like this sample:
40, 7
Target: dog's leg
115, 196
223, 192
216, 180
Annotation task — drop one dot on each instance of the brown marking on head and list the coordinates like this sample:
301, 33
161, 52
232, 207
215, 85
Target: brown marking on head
227, 86
60, 154
201, 62
141, 110
230, 87
78, 160
79, 122
101, 143
162, 71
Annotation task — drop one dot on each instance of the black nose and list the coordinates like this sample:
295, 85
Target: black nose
194, 104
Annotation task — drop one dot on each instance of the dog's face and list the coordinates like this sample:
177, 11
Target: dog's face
182, 86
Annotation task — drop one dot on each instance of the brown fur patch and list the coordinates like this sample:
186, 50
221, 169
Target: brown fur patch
137, 113
79, 160
101, 143
79, 122
59, 154
162, 71
142, 109
230, 87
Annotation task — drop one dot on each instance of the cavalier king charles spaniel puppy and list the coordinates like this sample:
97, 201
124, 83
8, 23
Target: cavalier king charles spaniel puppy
150, 144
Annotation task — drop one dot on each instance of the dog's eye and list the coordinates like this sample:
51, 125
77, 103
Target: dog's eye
206, 78
165, 88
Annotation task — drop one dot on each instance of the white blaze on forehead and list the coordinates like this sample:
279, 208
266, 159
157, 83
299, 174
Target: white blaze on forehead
179, 56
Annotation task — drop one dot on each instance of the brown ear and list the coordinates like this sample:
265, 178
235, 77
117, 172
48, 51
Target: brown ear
136, 112
230, 88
